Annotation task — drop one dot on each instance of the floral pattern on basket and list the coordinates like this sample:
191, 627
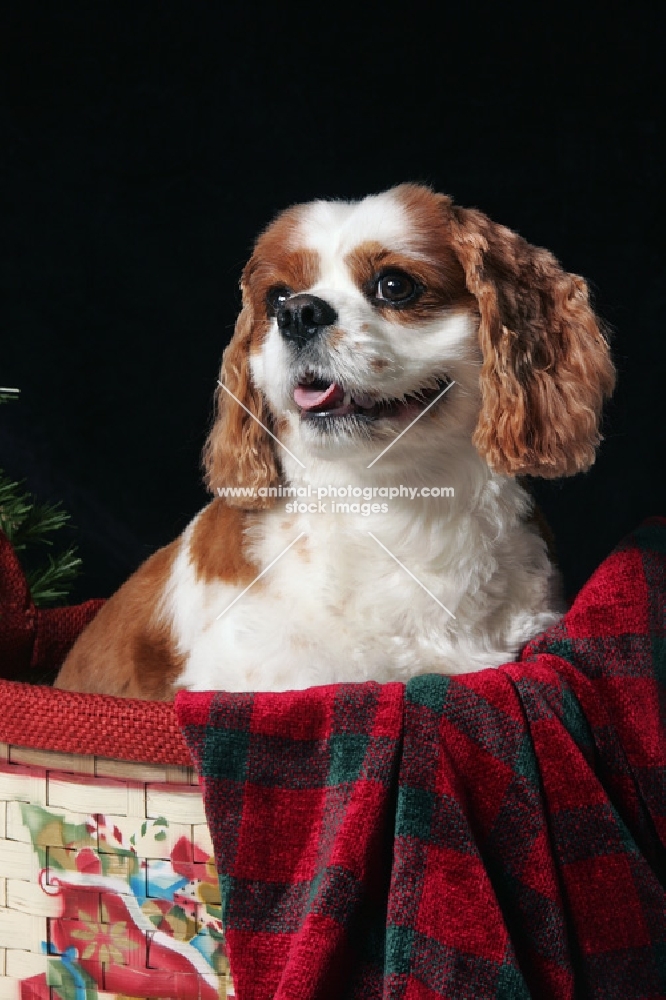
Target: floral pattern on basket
126, 925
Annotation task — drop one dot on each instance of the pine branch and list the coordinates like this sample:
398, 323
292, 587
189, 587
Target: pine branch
15, 507
51, 583
28, 525
24, 521
42, 520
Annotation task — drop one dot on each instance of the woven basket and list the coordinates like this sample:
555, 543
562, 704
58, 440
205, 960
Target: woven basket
107, 880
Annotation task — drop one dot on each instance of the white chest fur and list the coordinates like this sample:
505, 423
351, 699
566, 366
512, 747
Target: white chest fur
339, 604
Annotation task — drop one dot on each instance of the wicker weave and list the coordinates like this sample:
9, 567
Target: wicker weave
107, 886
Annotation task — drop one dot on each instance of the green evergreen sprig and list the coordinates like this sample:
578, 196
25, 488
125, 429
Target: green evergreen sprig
29, 526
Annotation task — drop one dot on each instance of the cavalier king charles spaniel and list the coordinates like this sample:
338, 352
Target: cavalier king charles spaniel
388, 350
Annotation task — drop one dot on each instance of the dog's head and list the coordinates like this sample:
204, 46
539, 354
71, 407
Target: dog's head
358, 317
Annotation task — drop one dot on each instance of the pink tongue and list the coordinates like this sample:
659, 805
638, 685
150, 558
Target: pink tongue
317, 399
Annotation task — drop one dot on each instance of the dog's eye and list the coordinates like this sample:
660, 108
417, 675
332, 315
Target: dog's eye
276, 297
395, 287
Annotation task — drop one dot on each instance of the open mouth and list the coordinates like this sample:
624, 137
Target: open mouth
318, 398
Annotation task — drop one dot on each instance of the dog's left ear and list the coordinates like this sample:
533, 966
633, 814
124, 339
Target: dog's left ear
546, 364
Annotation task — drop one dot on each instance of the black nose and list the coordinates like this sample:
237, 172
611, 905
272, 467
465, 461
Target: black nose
303, 316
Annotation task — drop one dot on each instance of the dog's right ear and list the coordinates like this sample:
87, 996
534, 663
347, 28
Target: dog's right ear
239, 453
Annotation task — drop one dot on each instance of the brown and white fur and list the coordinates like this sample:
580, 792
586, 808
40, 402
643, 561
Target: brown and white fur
419, 293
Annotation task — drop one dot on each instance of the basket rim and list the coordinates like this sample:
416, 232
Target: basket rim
46, 718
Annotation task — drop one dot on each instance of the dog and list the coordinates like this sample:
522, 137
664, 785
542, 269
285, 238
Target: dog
388, 350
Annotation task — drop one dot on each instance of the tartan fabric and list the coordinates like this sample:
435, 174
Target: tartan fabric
498, 834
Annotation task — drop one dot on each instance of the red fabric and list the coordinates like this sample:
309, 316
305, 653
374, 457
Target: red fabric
33, 639
498, 834
34, 643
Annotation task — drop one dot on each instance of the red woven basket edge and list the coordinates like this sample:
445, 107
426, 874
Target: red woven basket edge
44, 718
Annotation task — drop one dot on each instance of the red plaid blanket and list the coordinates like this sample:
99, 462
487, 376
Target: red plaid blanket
498, 834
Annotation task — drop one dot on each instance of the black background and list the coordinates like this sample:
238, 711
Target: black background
144, 146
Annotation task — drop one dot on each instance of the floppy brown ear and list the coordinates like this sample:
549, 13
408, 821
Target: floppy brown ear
546, 364
239, 452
